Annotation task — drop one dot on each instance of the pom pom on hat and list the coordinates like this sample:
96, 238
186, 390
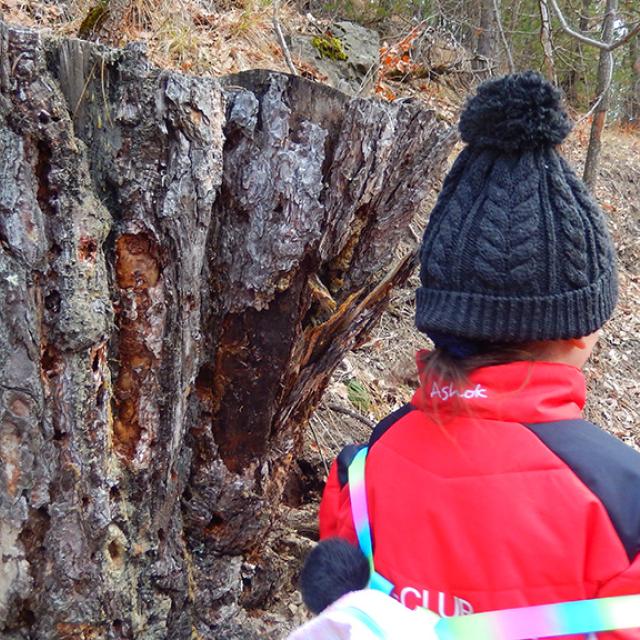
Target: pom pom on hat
515, 113
332, 569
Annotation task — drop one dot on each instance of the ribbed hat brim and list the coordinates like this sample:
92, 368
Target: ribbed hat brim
572, 314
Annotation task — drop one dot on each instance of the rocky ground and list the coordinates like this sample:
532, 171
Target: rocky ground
380, 376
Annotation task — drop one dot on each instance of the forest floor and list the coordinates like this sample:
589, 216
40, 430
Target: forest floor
381, 375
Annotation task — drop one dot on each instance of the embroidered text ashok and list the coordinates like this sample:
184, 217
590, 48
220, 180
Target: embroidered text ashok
447, 392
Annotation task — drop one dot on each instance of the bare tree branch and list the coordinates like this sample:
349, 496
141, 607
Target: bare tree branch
496, 8
572, 32
545, 39
353, 414
605, 46
315, 437
283, 44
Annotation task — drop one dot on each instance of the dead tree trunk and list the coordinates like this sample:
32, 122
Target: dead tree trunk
183, 262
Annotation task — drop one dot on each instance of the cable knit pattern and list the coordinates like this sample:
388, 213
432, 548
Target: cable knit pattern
525, 244
574, 257
445, 229
448, 187
506, 243
605, 251
491, 243
516, 249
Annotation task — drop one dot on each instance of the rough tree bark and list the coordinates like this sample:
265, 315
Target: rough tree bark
183, 262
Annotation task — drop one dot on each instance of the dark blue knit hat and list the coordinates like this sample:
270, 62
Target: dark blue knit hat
516, 249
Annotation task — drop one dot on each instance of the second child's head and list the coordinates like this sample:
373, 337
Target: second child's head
516, 260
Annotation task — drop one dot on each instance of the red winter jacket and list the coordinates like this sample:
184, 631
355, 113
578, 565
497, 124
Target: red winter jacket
497, 496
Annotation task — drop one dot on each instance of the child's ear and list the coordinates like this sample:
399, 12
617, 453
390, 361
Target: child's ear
578, 343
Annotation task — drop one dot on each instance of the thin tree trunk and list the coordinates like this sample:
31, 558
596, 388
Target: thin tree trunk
635, 90
605, 69
485, 45
183, 263
545, 39
503, 38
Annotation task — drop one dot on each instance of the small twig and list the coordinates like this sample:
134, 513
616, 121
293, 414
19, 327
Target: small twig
354, 414
336, 444
314, 23
281, 40
505, 44
632, 33
84, 89
315, 437
371, 72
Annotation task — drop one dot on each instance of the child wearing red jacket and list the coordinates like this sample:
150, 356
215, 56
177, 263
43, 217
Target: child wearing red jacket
488, 491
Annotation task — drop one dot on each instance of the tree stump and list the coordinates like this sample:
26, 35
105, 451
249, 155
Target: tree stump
183, 263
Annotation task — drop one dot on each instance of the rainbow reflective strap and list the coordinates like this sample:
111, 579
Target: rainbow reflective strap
545, 621
360, 514
541, 621
359, 509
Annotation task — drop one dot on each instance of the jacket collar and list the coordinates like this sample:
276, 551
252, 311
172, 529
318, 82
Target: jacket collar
524, 391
